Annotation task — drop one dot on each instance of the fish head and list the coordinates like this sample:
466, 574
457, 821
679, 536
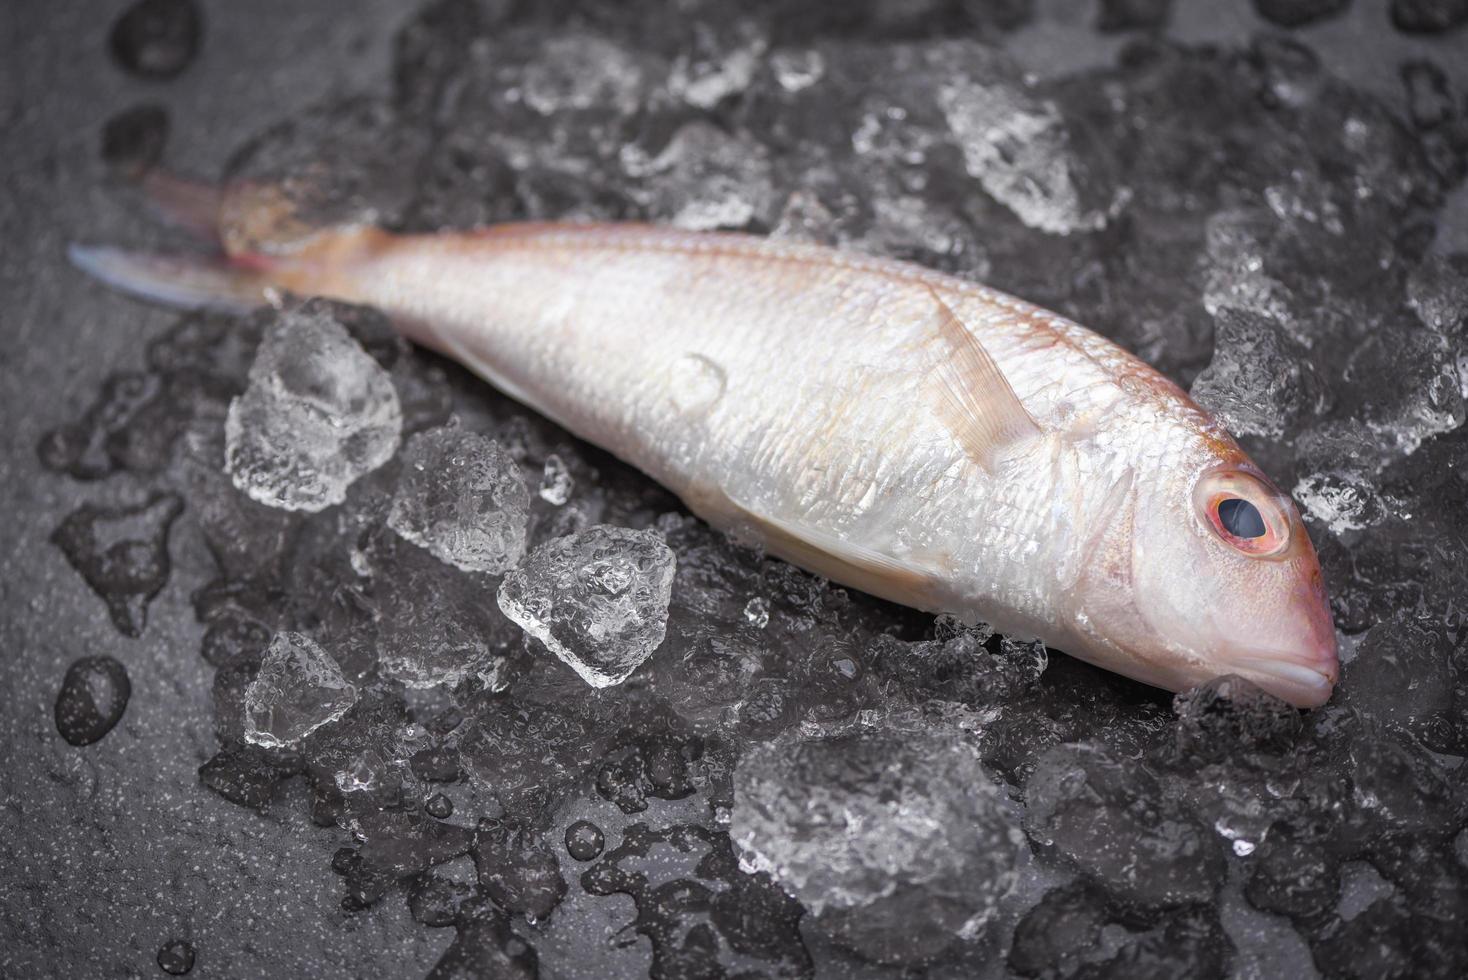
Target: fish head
1206, 570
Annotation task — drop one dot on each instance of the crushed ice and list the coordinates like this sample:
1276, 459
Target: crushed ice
319, 413
597, 599
299, 688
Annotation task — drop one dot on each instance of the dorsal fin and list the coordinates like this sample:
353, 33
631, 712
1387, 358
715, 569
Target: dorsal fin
972, 397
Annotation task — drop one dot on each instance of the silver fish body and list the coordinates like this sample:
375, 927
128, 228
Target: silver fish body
908, 433
776, 385
791, 385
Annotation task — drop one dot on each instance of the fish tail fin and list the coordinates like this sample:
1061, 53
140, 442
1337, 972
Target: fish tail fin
260, 247
212, 280
202, 282
190, 205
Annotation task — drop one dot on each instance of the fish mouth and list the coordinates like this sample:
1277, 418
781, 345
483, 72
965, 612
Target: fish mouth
1302, 685
1302, 663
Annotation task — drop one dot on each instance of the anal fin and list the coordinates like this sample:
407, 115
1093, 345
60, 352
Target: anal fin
850, 563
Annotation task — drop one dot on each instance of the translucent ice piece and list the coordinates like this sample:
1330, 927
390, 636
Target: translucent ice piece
598, 599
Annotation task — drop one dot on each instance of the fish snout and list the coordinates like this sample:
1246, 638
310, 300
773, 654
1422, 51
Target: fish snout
1305, 665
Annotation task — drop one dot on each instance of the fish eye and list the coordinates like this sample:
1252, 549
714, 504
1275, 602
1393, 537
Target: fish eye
1245, 512
1241, 518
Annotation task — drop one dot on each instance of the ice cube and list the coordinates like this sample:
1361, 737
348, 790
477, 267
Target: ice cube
797, 68
706, 179
1238, 242
299, 688
1111, 820
718, 67
1402, 675
318, 414
462, 499
1062, 936
1298, 878
1016, 144
580, 71
1428, 396
1229, 716
597, 599
1259, 381
1438, 290
1342, 500
895, 841
429, 622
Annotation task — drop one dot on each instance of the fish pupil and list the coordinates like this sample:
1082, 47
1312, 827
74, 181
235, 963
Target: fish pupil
1240, 518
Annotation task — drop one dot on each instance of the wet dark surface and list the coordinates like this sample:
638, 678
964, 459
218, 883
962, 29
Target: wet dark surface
1274, 218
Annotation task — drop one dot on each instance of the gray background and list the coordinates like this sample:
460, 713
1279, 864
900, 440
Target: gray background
108, 851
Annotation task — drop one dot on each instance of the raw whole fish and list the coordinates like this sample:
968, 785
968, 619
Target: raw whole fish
914, 435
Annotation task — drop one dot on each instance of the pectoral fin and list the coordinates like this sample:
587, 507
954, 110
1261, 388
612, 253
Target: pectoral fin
972, 397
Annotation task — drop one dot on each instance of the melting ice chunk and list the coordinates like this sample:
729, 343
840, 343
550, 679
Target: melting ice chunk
429, 622
122, 553
1259, 382
1342, 500
757, 613
299, 688
1019, 148
895, 841
598, 599
1082, 805
707, 179
318, 414
462, 499
578, 71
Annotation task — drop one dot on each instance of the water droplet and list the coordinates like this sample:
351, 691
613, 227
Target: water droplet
584, 840
696, 383
92, 699
757, 611
132, 140
176, 957
157, 38
439, 806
